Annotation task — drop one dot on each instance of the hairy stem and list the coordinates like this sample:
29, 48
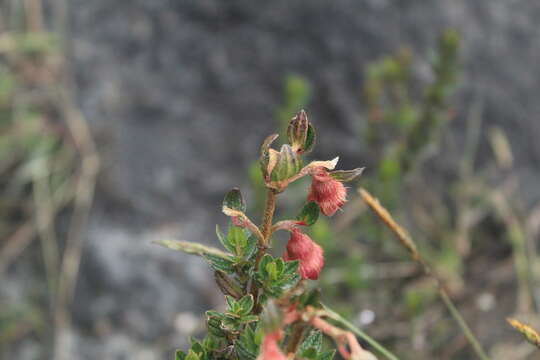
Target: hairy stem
296, 338
266, 229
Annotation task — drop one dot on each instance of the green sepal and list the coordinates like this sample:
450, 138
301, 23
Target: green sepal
346, 175
265, 154
310, 139
289, 163
309, 214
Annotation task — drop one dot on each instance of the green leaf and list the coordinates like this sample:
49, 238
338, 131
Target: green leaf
246, 304
251, 248
327, 355
267, 258
231, 303
249, 318
309, 354
238, 239
313, 340
224, 240
309, 214
247, 347
289, 282
291, 267
220, 264
311, 298
234, 200
192, 356
179, 355
196, 346
346, 175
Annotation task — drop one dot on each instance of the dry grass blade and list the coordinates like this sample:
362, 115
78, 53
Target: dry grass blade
406, 240
530, 334
387, 218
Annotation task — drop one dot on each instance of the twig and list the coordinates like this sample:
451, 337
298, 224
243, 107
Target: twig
409, 244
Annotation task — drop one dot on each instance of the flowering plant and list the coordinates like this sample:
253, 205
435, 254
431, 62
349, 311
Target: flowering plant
272, 312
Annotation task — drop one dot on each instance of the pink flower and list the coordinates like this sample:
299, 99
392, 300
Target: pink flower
301, 247
328, 193
270, 349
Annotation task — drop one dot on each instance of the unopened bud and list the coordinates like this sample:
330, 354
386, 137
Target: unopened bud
301, 133
287, 164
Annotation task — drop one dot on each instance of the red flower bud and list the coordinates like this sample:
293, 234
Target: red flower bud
301, 247
328, 193
270, 349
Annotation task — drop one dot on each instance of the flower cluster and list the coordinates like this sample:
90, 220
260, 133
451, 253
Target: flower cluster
253, 280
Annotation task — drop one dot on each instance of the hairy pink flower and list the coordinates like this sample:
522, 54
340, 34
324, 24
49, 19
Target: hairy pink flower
270, 349
301, 247
328, 193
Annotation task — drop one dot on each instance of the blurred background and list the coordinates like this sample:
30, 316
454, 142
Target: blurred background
126, 122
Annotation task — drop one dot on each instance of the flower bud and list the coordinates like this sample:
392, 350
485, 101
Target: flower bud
327, 192
310, 255
300, 133
270, 349
287, 164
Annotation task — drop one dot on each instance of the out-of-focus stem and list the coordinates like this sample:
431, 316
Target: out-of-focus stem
407, 242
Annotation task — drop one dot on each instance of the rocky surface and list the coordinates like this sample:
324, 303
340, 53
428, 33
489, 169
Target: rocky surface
181, 93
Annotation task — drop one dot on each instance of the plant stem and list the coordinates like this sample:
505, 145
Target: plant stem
268, 215
462, 324
266, 228
338, 318
296, 337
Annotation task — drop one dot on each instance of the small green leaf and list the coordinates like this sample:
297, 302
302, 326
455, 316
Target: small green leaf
234, 200
249, 318
267, 258
271, 270
327, 355
192, 356
220, 264
251, 247
291, 267
312, 298
246, 304
313, 341
346, 175
309, 214
179, 355
224, 240
231, 302
237, 238
309, 354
